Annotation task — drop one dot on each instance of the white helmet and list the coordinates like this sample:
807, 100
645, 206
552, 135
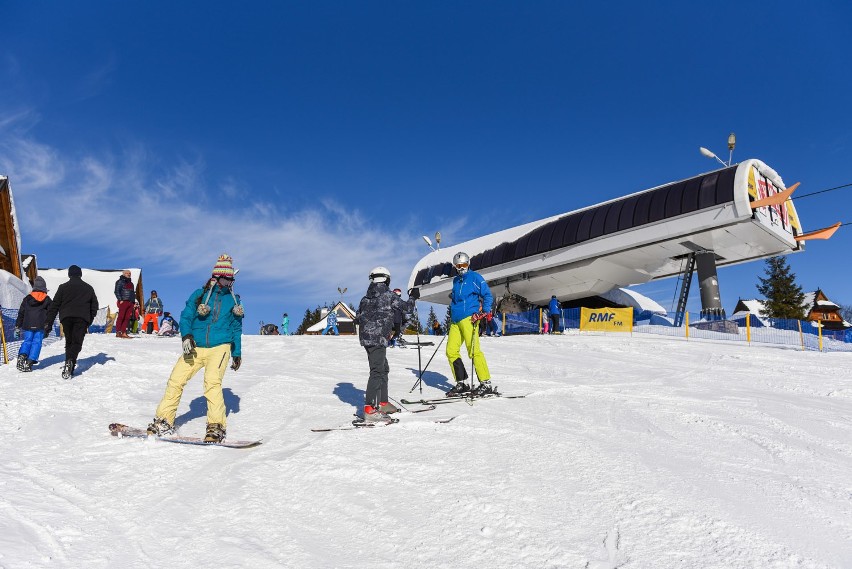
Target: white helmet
380, 275
461, 262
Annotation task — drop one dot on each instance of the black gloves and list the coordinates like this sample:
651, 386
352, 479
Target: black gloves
188, 344
47, 329
238, 360
413, 293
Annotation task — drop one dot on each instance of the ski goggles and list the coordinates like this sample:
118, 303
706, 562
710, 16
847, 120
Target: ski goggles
462, 266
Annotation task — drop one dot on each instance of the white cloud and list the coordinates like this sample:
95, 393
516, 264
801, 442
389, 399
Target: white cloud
118, 200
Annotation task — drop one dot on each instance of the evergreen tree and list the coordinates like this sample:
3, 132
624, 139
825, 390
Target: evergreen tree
448, 319
431, 320
414, 325
310, 318
846, 312
783, 296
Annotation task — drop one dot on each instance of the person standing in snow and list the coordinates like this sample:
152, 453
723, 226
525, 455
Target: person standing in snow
285, 325
211, 327
470, 302
31, 320
375, 323
77, 305
153, 311
125, 295
331, 324
555, 311
398, 319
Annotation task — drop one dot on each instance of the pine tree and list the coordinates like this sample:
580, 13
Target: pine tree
448, 319
431, 320
310, 318
414, 325
783, 296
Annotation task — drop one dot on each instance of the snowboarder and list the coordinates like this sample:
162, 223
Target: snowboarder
285, 325
153, 311
331, 324
211, 327
31, 320
77, 305
375, 320
470, 302
555, 311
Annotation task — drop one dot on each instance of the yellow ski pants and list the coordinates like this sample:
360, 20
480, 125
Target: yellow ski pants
469, 333
214, 361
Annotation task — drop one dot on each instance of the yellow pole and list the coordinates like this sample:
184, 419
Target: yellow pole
3, 335
748, 327
819, 323
686, 324
540, 313
801, 336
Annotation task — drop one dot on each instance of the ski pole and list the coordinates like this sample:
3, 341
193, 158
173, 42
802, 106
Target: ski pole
419, 379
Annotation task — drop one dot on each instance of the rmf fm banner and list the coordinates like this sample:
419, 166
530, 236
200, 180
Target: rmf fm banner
606, 319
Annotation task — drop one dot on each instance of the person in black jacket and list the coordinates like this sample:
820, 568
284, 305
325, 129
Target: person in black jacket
375, 321
77, 305
125, 295
32, 317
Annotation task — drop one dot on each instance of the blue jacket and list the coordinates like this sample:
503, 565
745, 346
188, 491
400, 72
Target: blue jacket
217, 328
332, 319
468, 290
554, 306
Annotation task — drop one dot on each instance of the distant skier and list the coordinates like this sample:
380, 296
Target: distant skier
31, 320
555, 310
375, 320
398, 321
470, 302
331, 324
153, 311
77, 305
211, 327
285, 325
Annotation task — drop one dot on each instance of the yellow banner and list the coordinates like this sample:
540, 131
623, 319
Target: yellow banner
606, 319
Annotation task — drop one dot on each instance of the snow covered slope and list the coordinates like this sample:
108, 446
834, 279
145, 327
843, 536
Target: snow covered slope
642, 452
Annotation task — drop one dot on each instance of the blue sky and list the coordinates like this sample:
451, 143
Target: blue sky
315, 140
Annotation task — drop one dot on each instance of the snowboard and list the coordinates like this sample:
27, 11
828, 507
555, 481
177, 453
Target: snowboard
121, 431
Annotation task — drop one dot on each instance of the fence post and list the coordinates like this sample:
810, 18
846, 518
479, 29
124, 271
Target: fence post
748, 328
801, 335
3, 334
540, 314
686, 323
819, 331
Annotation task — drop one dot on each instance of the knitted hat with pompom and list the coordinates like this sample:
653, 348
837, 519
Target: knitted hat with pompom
224, 266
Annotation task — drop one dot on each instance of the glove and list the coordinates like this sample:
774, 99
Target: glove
238, 361
17, 333
47, 328
188, 344
489, 317
413, 293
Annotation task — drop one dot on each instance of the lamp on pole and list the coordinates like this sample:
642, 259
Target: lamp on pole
732, 142
437, 240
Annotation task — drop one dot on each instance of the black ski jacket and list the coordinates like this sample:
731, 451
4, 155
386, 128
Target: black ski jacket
33, 313
376, 314
74, 298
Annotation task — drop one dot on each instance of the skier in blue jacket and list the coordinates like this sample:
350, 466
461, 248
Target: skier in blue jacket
555, 311
211, 327
470, 302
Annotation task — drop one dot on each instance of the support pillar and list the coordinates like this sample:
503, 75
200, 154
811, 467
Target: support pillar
708, 282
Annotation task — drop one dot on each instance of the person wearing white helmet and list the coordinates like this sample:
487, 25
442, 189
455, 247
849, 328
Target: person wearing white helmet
375, 329
470, 302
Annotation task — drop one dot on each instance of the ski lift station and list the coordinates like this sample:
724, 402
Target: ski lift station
734, 215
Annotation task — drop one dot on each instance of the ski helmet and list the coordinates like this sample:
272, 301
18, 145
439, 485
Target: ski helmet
461, 262
380, 275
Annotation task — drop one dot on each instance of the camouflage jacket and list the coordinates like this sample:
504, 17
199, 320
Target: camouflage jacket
375, 314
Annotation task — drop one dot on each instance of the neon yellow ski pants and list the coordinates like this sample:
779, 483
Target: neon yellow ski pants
469, 333
214, 361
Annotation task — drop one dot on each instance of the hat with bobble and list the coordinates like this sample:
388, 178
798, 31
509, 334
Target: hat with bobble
224, 266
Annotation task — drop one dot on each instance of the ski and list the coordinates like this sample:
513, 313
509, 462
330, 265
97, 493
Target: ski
123, 431
466, 399
362, 425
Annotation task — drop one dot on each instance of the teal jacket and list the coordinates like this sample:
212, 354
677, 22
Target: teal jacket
217, 328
